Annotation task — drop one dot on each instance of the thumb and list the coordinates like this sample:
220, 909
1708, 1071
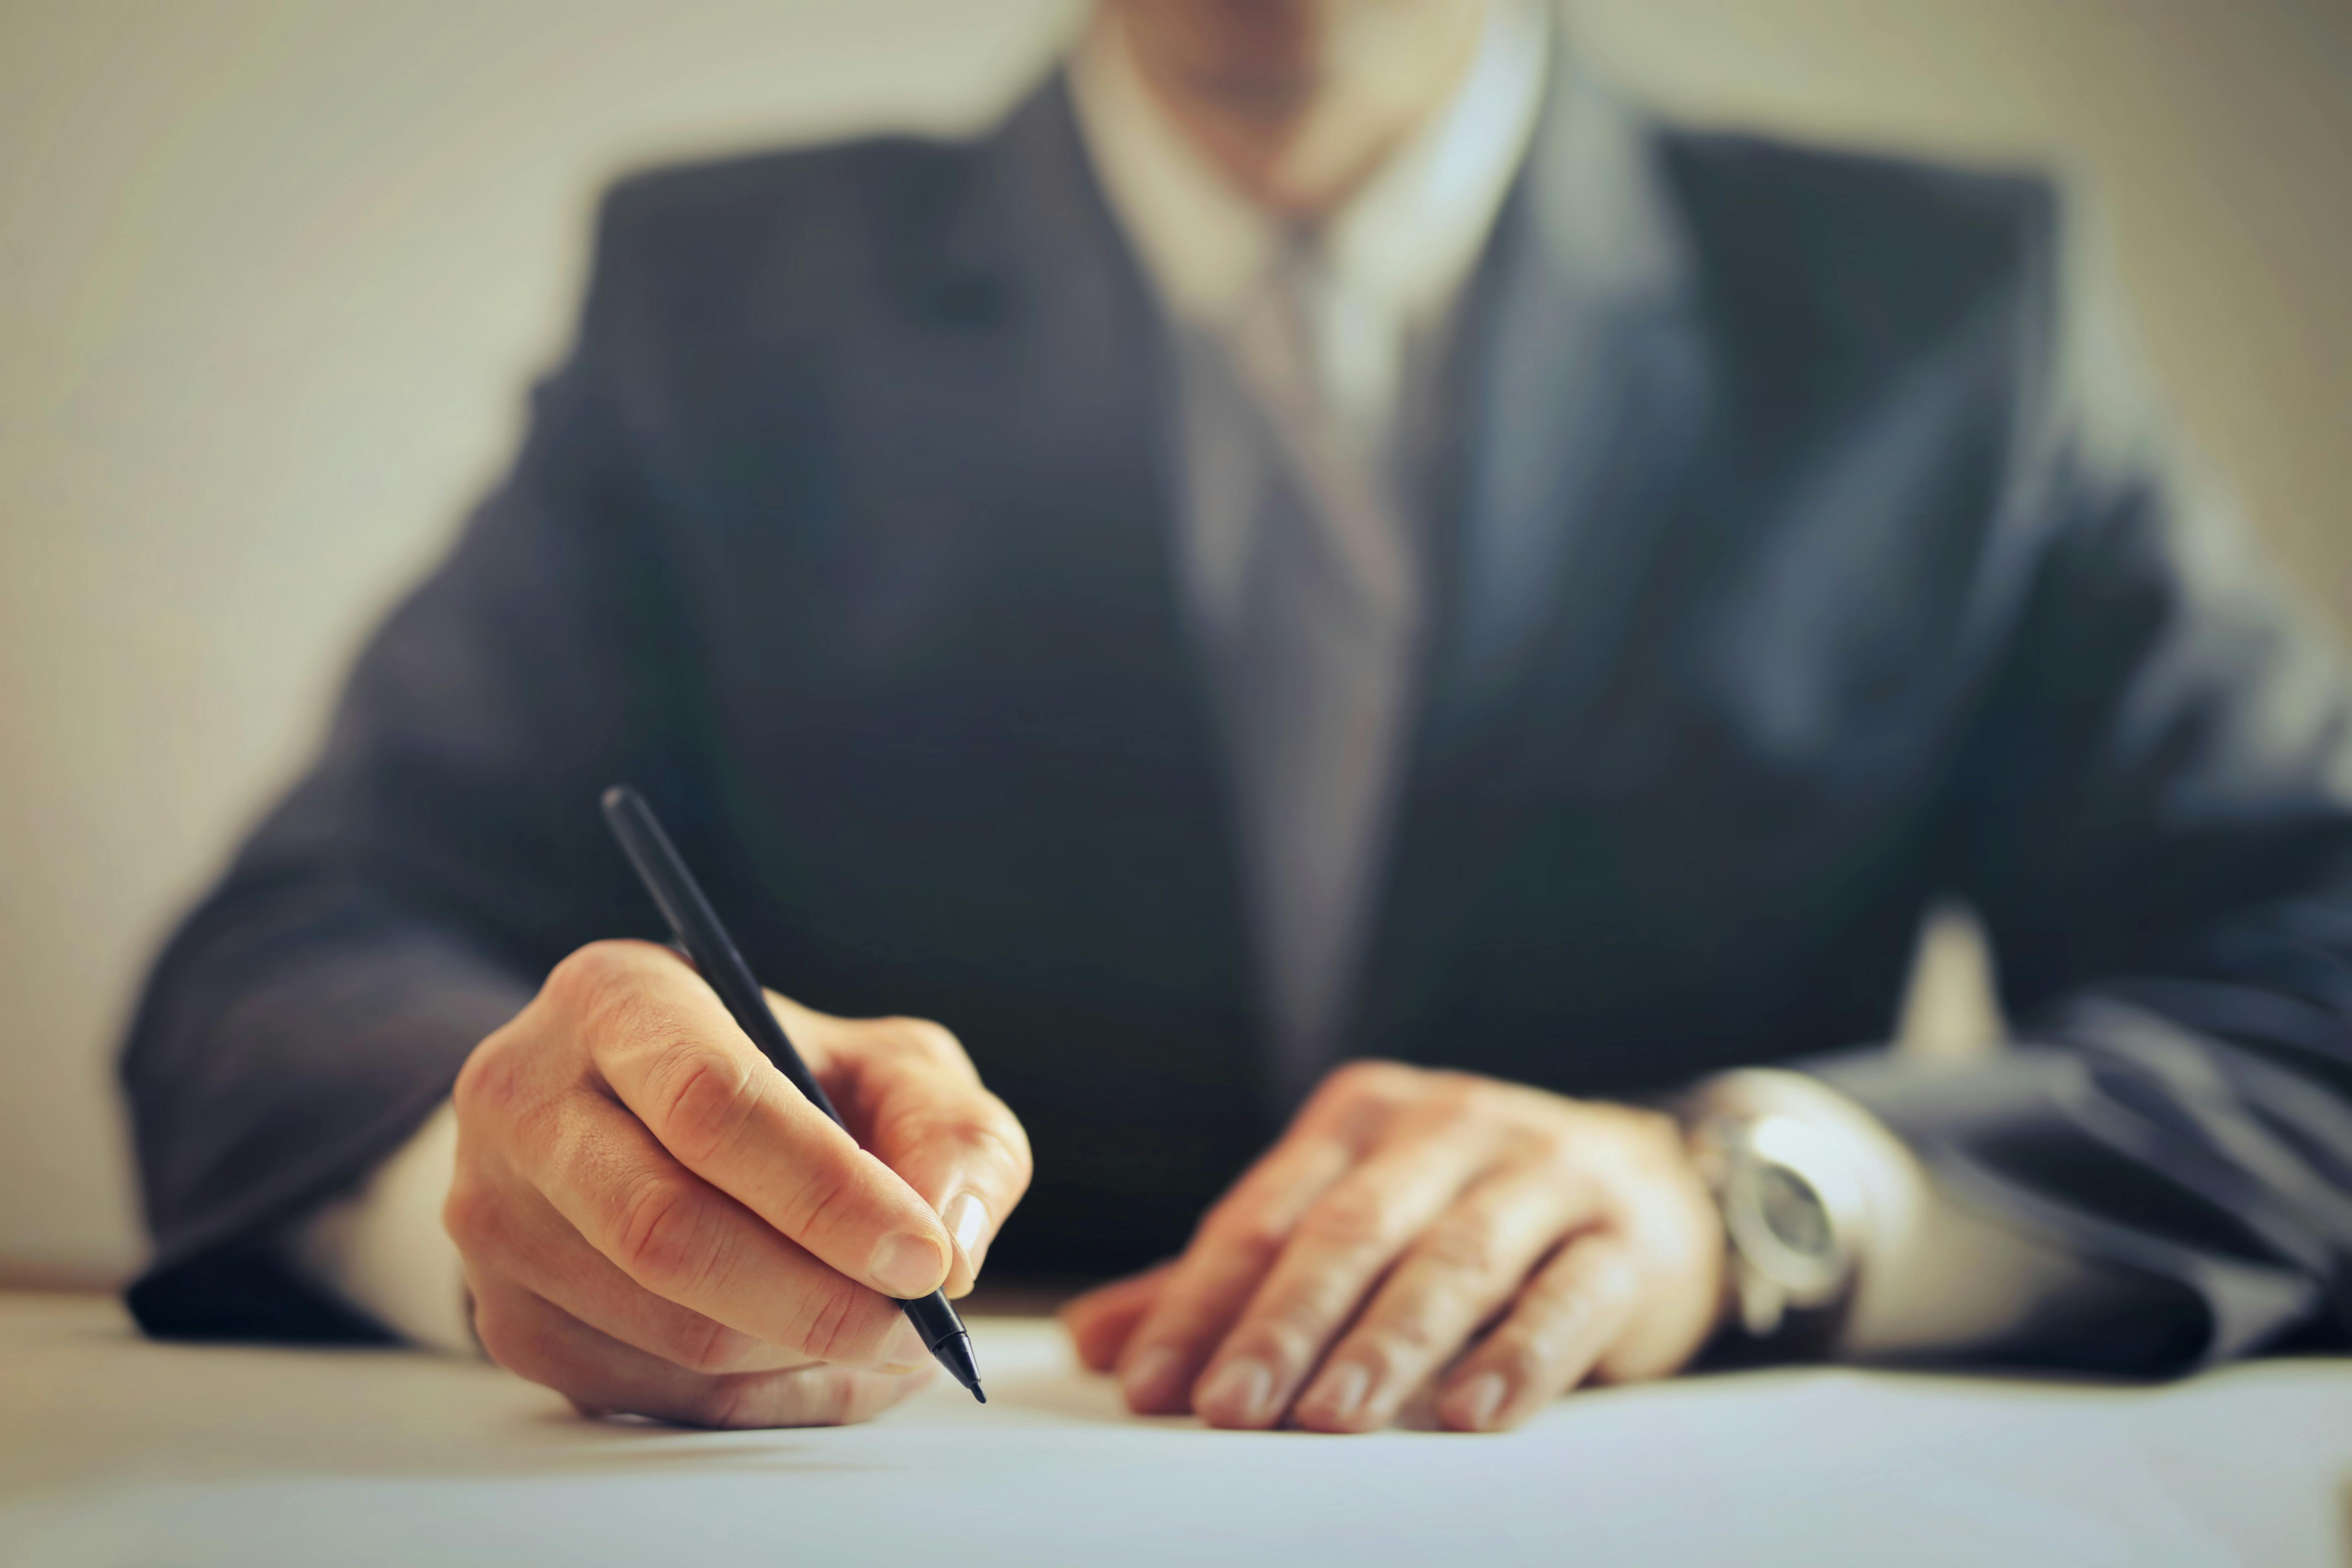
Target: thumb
913, 1098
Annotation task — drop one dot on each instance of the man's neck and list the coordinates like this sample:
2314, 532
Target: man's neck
1300, 114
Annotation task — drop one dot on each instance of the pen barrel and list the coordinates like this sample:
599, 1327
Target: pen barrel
698, 928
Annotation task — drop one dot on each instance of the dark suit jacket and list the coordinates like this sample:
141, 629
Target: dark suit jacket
1794, 565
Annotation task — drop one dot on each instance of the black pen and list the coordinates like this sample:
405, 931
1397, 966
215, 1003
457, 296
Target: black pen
695, 925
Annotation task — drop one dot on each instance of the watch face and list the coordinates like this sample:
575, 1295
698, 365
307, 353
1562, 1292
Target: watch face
1793, 1213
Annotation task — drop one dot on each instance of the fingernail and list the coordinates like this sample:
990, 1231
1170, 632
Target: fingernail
904, 1348
1238, 1393
1148, 1380
1475, 1403
967, 1219
1343, 1394
906, 1265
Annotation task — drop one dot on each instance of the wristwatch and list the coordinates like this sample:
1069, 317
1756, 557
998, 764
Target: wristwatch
1794, 1211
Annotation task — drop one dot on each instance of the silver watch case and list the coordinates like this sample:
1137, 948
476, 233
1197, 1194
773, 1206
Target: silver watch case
1770, 1170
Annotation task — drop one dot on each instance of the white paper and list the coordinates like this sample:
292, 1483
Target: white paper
463, 1466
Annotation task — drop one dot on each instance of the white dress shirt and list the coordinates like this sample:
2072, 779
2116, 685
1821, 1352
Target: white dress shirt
1390, 268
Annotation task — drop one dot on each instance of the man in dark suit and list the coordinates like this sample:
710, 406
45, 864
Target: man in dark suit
1341, 607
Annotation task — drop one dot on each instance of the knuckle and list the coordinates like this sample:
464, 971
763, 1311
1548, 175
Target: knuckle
489, 1083
474, 1093
1394, 1351
927, 1039
985, 1130
622, 1016
1656, 1125
1253, 1230
832, 1398
601, 993
1000, 1130
806, 1396
1466, 1094
834, 1325
1292, 1330
1554, 1147
541, 1133
660, 1240
470, 1215
1373, 1079
704, 1097
1521, 1357
1613, 1276
707, 1345
587, 977
510, 1339
723, 1403
1519, 1146
850, 1400
1681, 1239
1462, 1248
1351, 1217
1407, 1331
492, 1332
825, 1196
1601, 1276
1409, 1338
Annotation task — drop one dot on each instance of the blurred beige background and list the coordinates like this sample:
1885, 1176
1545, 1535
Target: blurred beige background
273, 275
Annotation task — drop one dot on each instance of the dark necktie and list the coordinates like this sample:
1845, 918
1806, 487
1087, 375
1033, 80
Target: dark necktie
1315, 657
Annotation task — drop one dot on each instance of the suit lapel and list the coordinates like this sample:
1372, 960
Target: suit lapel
1079, 335
1581, 388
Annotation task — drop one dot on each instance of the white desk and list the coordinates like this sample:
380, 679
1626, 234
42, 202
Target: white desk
114, 1451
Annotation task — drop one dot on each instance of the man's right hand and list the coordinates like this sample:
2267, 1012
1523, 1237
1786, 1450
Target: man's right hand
655, 1222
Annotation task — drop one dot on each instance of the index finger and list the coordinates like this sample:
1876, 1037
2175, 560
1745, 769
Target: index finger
915, 1097
1229, 1256
667, 1049
1243, 1234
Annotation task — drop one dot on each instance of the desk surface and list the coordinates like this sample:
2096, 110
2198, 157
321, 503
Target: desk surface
114, 1451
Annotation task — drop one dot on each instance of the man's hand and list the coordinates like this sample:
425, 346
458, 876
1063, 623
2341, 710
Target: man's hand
654, 1221
1416, 1226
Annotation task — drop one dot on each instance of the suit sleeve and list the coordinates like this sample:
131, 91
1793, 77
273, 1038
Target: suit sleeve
2154, 817
405, 898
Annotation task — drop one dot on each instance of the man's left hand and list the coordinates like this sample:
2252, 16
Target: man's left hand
1416, 1227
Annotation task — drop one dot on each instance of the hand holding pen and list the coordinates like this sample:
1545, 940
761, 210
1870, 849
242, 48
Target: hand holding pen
655, 1220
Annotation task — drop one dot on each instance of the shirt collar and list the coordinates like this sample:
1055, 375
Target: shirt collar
1402, 246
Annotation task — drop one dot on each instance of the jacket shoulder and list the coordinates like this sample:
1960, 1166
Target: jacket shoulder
1875, 254
818, 225
690, 200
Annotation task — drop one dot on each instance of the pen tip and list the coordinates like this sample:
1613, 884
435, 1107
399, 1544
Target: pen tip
954, 1352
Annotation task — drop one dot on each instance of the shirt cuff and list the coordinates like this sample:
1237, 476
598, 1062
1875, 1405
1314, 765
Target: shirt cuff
1932, 1278
383, 1250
